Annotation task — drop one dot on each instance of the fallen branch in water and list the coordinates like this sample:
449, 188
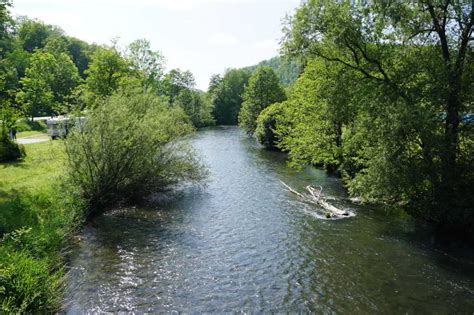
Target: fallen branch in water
316, 197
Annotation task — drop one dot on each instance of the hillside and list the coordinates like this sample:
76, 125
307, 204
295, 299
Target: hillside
287, 71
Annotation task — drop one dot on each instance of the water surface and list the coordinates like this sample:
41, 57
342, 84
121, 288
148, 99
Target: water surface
245, 244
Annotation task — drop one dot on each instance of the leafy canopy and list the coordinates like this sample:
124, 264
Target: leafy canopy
263, 90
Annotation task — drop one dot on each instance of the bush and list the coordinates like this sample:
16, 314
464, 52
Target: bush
129, 147
266, 126
10, 151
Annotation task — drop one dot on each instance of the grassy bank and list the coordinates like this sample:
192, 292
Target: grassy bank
36, 221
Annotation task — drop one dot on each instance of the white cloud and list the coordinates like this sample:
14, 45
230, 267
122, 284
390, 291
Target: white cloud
221, 39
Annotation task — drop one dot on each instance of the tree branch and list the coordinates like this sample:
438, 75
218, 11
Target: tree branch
465, 38
349, 65
440, 30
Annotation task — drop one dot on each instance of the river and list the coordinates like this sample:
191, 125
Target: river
243, 243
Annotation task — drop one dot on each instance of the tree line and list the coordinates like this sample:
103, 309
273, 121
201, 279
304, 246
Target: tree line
46, 72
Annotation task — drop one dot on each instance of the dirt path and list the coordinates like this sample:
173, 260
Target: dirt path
33, 139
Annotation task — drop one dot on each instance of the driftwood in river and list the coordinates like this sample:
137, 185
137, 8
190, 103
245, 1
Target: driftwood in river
316, 197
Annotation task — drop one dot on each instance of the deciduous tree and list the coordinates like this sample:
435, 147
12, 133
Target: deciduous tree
263, 90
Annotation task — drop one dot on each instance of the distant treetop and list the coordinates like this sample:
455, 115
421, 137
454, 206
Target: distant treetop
286, 71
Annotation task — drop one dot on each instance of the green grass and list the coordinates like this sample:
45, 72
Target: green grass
24, 134
37, 221
42, 167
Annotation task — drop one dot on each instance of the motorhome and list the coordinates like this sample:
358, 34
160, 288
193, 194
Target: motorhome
60, 126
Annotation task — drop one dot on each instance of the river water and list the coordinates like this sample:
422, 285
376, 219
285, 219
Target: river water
245, 244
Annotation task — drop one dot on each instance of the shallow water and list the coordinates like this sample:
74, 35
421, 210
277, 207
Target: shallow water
245, 244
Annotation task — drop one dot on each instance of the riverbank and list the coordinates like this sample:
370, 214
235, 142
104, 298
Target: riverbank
36, 224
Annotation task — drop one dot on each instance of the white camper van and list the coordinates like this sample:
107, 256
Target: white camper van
59, 127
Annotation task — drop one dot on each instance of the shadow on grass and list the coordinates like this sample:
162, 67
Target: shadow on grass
18, 209
19, 164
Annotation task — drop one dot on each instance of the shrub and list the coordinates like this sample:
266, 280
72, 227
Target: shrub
10, 151
129, 147
266, 126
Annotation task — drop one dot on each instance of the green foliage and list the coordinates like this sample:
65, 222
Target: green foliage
15, 63
10, 151
27, 283
80, 53
384, 100
36, 223
8, 116
107, 72
5, 27
287, 71
311, 130
197, 106
36, 226
48, 84
57, 44
226, 95
23, 125
263, 90
267, 124
176, 81
135, 138
129, 147
148, 63
33, 34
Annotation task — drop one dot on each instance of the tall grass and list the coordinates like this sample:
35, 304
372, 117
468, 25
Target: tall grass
36, 221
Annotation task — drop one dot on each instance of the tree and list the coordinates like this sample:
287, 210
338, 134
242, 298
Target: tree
226, 95
214, 83
48, 84
409, 138
7, 75
175, 81
5, 27
106, 73
33, 34
80, 53
196, 106
57, 45
287, 70
263, 90
149, 63
267, 123
321, 104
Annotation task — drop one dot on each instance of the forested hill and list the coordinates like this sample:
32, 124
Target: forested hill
287, 71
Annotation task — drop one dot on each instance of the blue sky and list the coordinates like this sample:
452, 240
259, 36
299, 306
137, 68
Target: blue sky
204, 36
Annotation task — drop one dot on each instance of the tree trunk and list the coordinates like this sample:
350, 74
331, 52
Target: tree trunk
449, 158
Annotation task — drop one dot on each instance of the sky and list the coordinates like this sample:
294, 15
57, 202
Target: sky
203, 36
